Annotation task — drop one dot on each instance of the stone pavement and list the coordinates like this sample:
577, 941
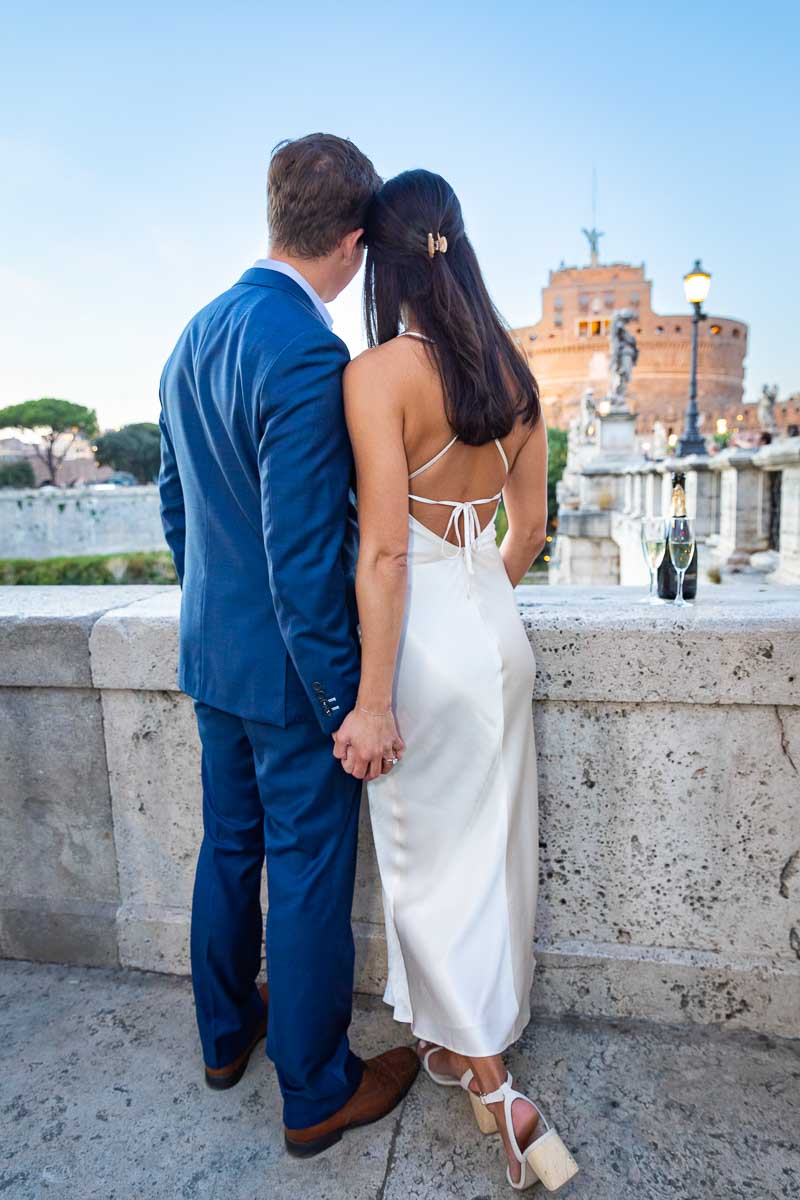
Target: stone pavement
102, 1097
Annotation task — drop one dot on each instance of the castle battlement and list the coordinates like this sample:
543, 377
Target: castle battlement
567, 350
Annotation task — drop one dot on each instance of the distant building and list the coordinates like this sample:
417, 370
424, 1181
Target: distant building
78, 467
568, 351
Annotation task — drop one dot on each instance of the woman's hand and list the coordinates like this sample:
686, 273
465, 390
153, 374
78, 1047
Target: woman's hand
367, 742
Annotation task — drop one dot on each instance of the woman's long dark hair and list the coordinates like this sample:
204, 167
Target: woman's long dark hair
487, 383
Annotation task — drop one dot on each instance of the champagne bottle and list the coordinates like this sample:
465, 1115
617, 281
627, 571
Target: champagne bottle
667, 575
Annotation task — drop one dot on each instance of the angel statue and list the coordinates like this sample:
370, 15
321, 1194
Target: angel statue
624, 356
588, 413
593, 238
766, 408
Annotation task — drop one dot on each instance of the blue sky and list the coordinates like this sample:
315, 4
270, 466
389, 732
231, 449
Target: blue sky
136, 138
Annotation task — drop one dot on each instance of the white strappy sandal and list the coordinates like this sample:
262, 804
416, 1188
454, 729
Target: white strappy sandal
485, 1120
546, 1159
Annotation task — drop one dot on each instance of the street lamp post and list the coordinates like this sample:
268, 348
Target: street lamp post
695, 284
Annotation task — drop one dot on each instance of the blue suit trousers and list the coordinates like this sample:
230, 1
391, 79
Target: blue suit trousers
280, 793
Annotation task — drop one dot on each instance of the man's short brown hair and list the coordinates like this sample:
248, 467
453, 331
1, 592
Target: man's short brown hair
318, 190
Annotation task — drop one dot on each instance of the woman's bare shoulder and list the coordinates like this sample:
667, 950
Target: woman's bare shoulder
394, 364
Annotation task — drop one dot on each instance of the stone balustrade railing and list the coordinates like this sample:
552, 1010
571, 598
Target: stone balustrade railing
745, 503
669, 774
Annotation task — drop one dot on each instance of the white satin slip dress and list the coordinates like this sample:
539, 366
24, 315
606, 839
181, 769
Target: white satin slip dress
455, 823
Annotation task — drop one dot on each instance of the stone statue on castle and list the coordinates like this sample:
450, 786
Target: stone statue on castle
766, 408
593, 237
623, 356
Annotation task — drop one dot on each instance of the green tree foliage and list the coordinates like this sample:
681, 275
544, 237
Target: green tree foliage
134, 448
17, 474
58, 423
556, 462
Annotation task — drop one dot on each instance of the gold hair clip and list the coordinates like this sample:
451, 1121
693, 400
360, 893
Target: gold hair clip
436, 243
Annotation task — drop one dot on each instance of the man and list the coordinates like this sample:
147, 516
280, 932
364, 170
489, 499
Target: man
255, 478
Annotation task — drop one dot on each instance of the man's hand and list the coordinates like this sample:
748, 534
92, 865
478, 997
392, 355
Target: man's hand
366, 742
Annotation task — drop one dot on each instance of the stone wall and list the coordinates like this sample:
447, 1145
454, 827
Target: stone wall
669, 765
66, 521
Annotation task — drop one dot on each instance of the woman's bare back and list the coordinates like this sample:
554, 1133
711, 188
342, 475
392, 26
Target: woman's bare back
463, 472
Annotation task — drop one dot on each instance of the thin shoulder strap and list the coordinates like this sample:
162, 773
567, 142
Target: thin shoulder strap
435, 458
444, 450
413, 333
503, 454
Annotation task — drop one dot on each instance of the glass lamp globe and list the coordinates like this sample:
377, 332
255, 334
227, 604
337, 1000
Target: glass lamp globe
696, 283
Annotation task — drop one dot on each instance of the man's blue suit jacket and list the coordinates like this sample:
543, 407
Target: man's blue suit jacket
255, 501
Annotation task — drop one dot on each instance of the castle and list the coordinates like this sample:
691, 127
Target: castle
568, 351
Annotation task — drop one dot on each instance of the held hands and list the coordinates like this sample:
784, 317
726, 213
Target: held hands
367, 742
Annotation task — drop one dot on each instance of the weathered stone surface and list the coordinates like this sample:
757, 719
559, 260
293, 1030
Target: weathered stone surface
137, 647
669, 747
732, 647
104, 1100
57, 860
59, 930
649, 1113
44, 522
371, 960
367, 905
107, 1100
44, 631
677, 986
154, 937
154, 771
661, 827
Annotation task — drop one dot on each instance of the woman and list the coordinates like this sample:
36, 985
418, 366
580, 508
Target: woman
444, 418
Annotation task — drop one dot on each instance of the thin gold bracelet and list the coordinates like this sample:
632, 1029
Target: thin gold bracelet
374, 712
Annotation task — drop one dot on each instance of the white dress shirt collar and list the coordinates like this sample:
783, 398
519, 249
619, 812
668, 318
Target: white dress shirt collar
273, 264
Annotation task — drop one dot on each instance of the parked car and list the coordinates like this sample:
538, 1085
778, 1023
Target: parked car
118, 479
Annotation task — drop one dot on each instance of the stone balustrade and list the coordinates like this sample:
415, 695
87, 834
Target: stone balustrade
783, 458
669, 776
745, 503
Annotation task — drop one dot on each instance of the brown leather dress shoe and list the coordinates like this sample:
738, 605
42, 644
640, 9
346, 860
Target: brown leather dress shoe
386, 1080
222, 1078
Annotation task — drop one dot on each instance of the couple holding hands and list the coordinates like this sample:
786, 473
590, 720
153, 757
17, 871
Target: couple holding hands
347, 616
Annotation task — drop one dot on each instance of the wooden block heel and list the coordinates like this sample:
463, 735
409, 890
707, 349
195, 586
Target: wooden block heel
546, 1159
551, 1161
484, 1118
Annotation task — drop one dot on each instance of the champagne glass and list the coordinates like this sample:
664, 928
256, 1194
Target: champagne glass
681, 549
654, 544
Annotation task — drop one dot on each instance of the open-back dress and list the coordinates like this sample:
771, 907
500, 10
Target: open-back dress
455, 822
